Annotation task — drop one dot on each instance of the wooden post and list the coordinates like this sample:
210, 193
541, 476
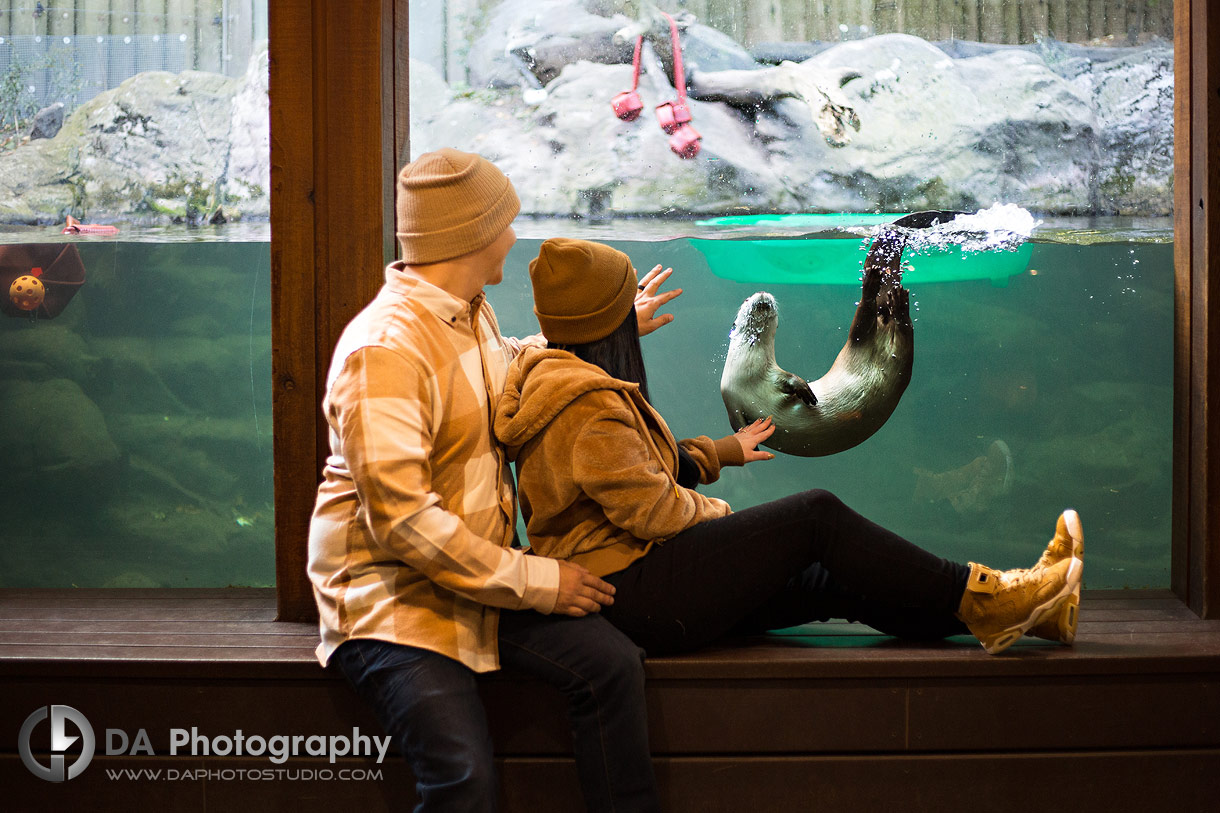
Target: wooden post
918, 19
991, 20
719, 15
971, 29
948, 24
400, 103
1078, 21
1116, 21
887, 16
792, 23
180, 25
239, 38
815, 23
327, 175
208, 19
1169, 21
1009, 22
856, 13
1059, 19
92, 24
1035, 20
61, 21
122, 41
1097, 19
150, 26
395, 118
1196, 512
1135, 19
39, 25
832, 16
762, 23
460, 15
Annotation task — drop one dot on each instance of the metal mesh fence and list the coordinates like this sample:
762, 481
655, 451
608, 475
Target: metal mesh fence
36, 71
53, 51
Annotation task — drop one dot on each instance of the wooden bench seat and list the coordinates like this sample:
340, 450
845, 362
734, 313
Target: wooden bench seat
827, 716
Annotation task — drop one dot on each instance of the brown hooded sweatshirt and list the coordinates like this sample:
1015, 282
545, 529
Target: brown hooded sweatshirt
596, 464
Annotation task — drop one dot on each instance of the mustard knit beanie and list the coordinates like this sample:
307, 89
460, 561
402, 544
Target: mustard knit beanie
582, 291
451, 203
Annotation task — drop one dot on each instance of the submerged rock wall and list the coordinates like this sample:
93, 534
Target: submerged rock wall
137, 424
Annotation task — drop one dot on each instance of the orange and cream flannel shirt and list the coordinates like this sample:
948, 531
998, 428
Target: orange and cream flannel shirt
410, 540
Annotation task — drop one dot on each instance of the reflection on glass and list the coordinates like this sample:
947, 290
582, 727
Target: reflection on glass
1042, 377
136, 396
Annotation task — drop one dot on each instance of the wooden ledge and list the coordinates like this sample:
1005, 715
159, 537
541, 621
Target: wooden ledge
828, 715
233, 633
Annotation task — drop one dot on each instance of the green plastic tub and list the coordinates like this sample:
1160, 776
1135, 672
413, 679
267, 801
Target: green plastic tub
833, 259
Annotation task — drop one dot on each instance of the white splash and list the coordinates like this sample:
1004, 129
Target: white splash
1001, 227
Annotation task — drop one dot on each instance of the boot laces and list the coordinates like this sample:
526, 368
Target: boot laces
1021, 577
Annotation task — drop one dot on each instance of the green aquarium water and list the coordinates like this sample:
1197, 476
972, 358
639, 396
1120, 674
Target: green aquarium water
137, 435
137, 440
1053, 390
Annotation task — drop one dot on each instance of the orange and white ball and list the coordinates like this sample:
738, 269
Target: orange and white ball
27, 292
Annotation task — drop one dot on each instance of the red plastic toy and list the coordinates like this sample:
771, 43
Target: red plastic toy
675, 116
74, 226
627, 105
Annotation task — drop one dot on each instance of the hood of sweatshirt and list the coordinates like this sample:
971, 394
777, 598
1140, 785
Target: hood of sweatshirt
541, 383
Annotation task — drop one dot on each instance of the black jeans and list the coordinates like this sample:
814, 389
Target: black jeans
430, 705
807, 557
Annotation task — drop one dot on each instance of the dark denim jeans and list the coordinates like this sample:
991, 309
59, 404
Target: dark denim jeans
807, 557
430, 705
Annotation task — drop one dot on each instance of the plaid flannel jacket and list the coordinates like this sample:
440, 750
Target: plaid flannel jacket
410, 539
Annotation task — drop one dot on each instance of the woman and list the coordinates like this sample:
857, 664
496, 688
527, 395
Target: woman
604, 484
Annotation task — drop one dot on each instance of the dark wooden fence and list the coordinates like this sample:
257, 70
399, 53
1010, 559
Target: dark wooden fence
211, 35
54, 51
1117, 22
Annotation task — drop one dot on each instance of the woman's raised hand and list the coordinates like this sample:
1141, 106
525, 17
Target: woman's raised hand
647, 300
750, 435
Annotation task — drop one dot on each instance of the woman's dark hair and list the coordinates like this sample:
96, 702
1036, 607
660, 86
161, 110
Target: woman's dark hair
619, 354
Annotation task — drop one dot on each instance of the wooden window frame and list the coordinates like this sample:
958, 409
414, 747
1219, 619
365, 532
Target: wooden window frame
335, 75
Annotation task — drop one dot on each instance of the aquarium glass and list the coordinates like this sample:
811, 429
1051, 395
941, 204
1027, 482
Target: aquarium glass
137, 430
135, 401
1043, 368
1051, 390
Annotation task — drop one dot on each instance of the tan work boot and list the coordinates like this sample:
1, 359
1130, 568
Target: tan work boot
1068, 542
998, 607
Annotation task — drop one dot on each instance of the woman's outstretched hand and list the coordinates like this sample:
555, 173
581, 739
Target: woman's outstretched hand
750, 435
647, 300
580, 592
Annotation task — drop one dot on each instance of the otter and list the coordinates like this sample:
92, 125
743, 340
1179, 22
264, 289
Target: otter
858, 394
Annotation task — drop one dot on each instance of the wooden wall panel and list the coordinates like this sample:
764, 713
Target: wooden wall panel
1197, 331
326, 239
1008, 783
1205, 289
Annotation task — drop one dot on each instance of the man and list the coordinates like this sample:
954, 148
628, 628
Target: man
410, 551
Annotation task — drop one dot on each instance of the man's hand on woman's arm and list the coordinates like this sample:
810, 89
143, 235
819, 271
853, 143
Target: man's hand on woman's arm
580, 592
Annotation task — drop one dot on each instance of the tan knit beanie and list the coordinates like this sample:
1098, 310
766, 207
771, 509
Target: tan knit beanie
582, 291
451, 203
